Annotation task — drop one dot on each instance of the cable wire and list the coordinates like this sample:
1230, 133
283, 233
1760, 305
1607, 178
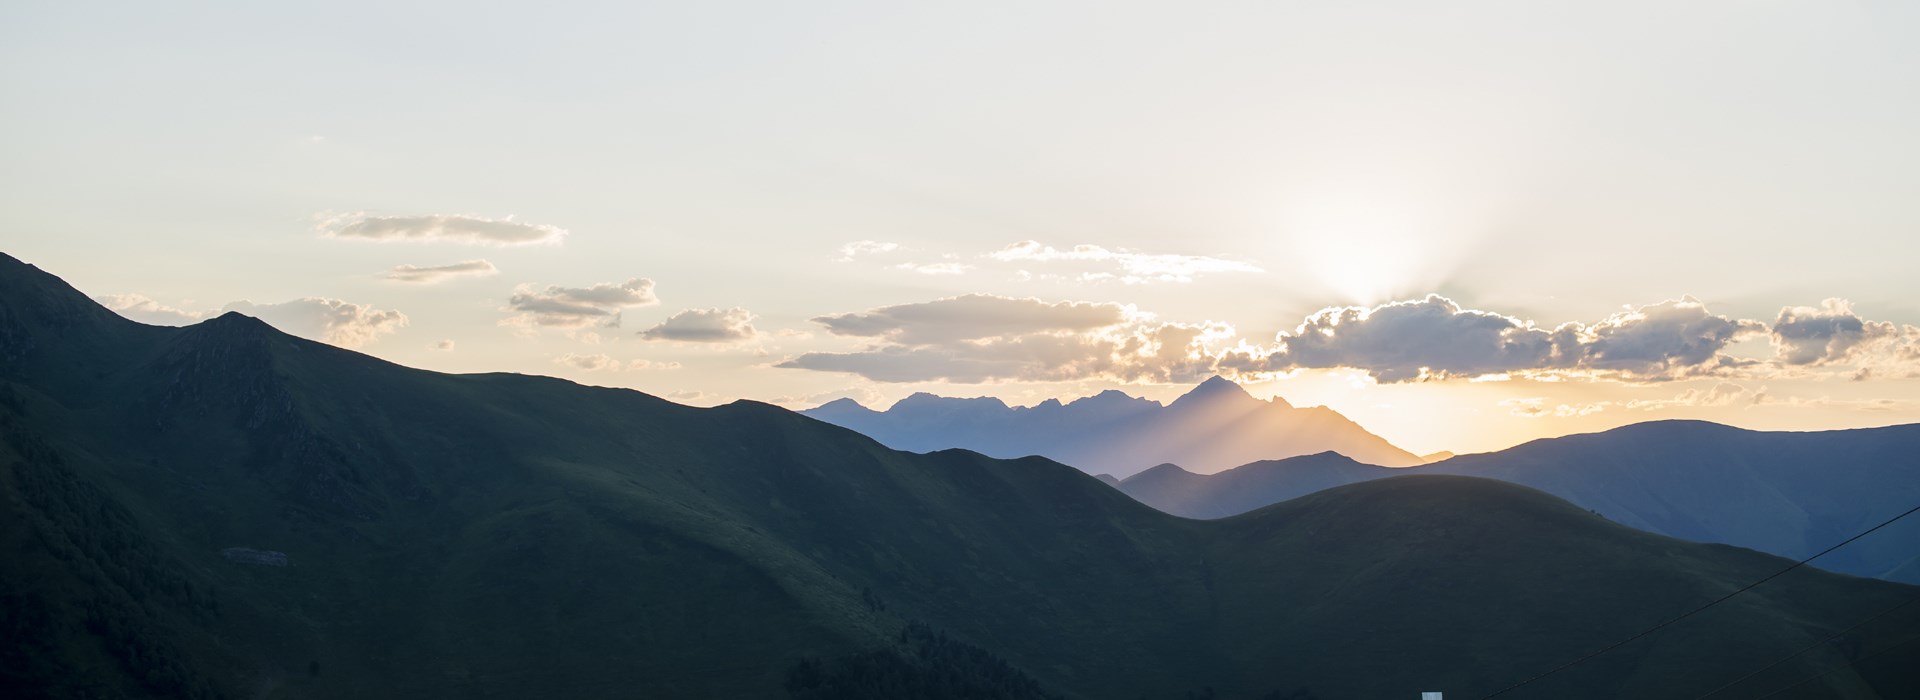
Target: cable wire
1698, 610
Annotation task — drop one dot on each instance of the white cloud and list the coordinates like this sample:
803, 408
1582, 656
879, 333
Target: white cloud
449, 228
440, 273
704, 326
859, 248
606, 363
144, 310
939, 268
333, 321
444, 346
1133, 267
577, 307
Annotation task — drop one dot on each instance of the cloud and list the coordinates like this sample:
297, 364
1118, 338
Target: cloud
577, 307
606, 363
1137, 352
939, 268
331, 321
447, 228
1803, 335
704, 326
980, 338
140, 308
444, 346
1406, 340
972, 317
858, 248
1134, 267
440, 273
1435, 338
1671, 338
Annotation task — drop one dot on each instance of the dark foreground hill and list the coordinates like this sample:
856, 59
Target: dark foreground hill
226, 511
1215, 426
1786, 493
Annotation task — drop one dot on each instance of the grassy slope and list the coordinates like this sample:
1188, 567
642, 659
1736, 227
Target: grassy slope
510, 536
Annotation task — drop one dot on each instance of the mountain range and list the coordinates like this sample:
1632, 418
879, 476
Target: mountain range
1215, 426
224, 510
1786, 493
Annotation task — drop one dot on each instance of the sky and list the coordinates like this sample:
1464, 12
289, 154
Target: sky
1464, 225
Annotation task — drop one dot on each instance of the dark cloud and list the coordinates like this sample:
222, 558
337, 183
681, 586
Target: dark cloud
578, 307
704, 326
441, 228
972, 317
1670, 339
438, 273
1804, 335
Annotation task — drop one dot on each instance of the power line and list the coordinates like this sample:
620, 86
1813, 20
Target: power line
1810, 647
1698, 610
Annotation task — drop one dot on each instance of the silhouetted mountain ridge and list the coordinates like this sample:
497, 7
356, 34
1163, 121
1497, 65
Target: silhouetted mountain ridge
319, 523
1787, 493
1215, 425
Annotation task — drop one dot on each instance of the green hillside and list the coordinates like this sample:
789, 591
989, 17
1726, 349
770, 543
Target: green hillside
513, 536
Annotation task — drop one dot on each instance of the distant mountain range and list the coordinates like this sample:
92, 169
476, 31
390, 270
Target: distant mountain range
1215, 426
1786, 493
223, 510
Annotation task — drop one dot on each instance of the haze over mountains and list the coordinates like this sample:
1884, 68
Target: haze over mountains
1786, 493
1216, 426
223, 510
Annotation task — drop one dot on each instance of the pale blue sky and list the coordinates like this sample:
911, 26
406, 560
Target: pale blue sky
1549, 161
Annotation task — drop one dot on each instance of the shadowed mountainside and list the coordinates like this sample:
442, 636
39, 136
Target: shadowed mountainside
223, 510
1215, 426
1786, 493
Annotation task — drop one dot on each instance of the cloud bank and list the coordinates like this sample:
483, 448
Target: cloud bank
1435, 338
982, 338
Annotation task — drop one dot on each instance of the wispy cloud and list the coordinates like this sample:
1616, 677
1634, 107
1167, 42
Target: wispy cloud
939, 268
606, 363
577, 307
980, 338
447, 228
440, 273
1130, 267
857, 249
